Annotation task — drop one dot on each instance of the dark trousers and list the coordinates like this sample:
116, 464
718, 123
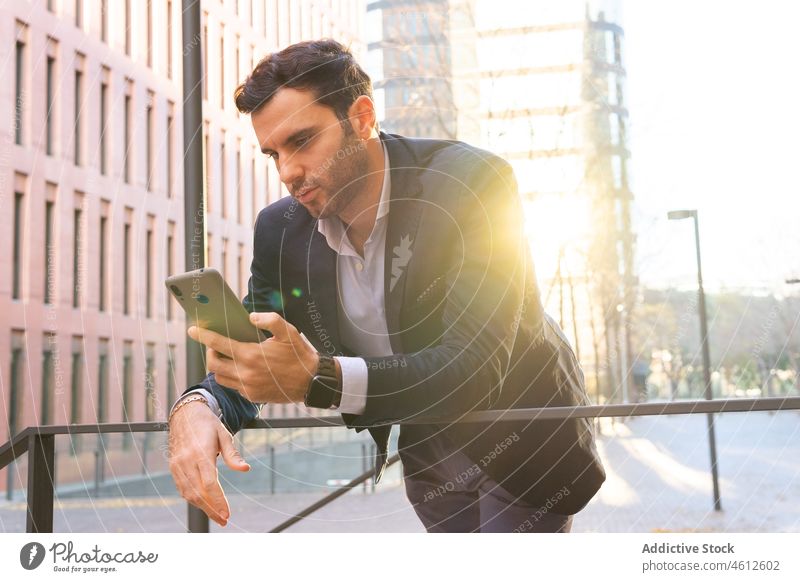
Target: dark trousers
451, 494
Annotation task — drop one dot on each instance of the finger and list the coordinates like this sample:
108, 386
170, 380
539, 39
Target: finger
212, 339
280, 329
180, 479
230, 454
212, 491
194, 494
220, 365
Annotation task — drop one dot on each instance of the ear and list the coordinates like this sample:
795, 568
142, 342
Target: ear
362, 116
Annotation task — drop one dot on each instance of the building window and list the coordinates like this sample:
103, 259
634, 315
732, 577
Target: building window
253, 188
19, 79
289, 36
223, 176
126, 250
170, 266
613, 128
613, 98
48, 376
102, 259
17, 379
103, 117
204, 55
169, 39
170, 147
149, 272
78, 125
616, 171
79, 13
207, 166
240, 274
16, 282
221, 62
236, 60
149, 141
225, 258
171, 381
104, 20
128, 25
76, 380
77, 256
239, 181
149, 383
102, 381
50, 104
49, 250
127, 136
149, 24
127, 390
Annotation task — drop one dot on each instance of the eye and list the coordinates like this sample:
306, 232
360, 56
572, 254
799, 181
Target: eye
302, 141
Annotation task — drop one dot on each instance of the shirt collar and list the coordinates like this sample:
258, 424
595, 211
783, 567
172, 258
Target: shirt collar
332, 228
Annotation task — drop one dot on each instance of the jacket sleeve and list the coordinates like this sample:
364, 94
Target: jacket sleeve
262, 295
464, 369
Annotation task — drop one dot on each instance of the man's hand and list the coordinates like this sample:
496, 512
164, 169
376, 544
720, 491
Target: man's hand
277, 370
196, 437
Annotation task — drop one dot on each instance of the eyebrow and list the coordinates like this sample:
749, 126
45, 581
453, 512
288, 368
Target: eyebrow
296, 135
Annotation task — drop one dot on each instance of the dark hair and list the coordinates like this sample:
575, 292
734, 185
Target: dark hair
323, 66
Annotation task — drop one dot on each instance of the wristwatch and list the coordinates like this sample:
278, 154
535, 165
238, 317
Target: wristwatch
324, 390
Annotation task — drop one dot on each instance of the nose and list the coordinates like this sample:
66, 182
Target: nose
290, 172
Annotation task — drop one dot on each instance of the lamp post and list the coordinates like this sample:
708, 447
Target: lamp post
712, 439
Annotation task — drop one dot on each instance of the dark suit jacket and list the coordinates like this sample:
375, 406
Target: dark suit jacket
464, 314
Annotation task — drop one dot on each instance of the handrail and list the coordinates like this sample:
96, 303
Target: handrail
355, 482
39, 440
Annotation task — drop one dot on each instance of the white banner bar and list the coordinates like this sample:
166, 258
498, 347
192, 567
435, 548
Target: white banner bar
401, 557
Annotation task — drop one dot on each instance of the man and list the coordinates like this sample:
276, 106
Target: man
403, 263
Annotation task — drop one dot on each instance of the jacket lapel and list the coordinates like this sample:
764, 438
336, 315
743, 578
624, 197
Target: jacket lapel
404, 215
322, 286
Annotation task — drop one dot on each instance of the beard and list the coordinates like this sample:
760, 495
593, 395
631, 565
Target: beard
346, 176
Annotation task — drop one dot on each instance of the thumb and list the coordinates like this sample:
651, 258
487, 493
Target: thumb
230, 454
280, 329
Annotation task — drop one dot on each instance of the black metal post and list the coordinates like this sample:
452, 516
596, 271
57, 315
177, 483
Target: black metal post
41, 480
193, 196
712, 438
272, 470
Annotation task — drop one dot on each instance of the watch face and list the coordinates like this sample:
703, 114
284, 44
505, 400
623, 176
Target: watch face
321, 392
328, 382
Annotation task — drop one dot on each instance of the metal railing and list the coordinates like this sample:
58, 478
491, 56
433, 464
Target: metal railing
39, 443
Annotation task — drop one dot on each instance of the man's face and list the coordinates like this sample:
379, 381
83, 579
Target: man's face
320, 160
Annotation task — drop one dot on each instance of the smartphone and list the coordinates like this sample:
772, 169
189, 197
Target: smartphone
211, 304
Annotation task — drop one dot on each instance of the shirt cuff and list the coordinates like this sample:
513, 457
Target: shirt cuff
212, 401
354, 385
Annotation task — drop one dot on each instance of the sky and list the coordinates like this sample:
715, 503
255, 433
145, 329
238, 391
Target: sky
714, 99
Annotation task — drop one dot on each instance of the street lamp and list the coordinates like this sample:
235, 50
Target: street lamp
712, 439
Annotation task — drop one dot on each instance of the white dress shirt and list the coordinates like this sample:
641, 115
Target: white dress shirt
362, 314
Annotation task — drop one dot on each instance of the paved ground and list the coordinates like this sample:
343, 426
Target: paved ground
658, 480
